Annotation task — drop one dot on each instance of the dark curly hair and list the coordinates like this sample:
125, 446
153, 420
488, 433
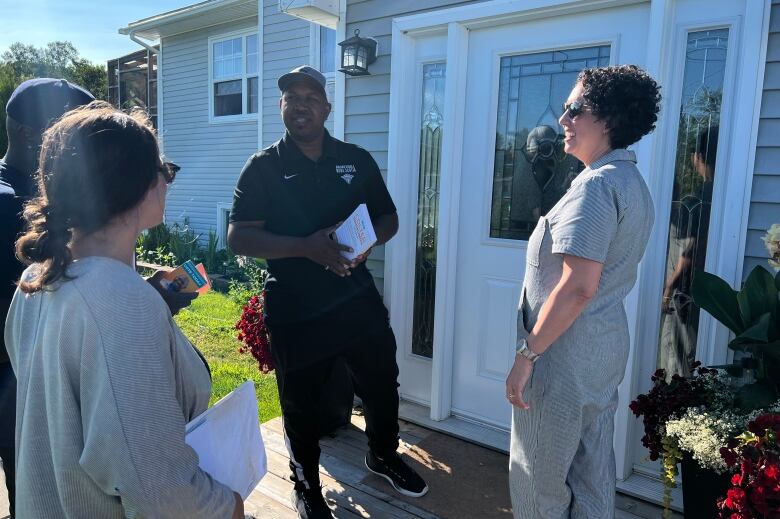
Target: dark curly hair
625, 97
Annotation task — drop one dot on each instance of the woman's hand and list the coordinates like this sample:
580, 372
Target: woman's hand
517, 380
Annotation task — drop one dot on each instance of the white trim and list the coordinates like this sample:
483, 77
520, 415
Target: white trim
222, 208
399, 158
340, 101
244, 116
501, 12
449, 207
748, 112
260, 71
150, 26
660, 26
160, 91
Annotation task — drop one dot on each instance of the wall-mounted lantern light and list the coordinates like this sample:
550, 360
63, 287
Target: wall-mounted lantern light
357, 54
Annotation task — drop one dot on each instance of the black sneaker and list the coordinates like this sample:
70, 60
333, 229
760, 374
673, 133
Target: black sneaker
403, 478
309, 503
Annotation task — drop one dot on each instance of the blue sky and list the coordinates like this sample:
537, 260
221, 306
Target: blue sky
91, 25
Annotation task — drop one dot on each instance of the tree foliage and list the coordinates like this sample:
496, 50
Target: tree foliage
58, 59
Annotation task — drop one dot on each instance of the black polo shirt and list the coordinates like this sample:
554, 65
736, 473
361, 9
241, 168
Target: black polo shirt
15, 189
296, 196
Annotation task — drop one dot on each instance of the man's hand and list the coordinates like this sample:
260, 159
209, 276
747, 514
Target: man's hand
362, 258
517, 380
321, 248
175, 300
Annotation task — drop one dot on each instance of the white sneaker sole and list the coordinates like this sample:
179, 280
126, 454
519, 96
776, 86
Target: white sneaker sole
396, 487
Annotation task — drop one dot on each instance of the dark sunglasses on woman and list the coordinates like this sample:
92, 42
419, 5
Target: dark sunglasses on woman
168, 170
573, 109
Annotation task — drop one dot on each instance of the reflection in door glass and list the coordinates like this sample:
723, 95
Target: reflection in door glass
428, 208
531, 171
694, 174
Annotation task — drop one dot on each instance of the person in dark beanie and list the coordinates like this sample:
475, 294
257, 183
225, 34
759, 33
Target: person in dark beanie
319, 306
32, 107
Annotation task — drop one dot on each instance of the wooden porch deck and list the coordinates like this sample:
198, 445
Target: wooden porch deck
466, 481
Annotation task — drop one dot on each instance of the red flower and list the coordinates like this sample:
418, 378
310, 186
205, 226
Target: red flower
755, 491
253, 333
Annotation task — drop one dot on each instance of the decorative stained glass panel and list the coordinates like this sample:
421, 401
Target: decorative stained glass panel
531, 171
694, 178
428, 208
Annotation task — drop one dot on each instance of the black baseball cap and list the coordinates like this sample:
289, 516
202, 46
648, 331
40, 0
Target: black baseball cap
305, 73
38, 102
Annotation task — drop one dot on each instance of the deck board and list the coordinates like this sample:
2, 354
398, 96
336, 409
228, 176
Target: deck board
343, 476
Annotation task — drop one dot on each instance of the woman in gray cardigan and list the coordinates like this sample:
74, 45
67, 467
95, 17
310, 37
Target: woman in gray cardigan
106, 379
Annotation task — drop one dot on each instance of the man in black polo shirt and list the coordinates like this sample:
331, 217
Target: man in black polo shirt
30, 109
319, 306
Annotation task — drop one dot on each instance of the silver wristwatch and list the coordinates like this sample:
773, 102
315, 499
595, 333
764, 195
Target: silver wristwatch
525, 351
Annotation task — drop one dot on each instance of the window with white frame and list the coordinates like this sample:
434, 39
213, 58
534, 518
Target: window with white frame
323, 50
234, 75
327, 51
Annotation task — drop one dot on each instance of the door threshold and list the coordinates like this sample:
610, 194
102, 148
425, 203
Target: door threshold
479, 434
649, 489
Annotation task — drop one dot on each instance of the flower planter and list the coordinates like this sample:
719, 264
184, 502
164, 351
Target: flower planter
701, 489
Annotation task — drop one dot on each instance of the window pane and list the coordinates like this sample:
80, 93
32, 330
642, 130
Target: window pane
428, 208
227, 58
531, 171
694, 177
227, 98
327, 50
252, 95
251, 54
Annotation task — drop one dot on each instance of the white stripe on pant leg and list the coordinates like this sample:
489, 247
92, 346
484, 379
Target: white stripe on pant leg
298, 466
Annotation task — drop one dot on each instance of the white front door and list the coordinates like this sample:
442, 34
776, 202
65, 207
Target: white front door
514, 170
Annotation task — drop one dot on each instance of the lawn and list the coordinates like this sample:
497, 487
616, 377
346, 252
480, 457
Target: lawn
209, 324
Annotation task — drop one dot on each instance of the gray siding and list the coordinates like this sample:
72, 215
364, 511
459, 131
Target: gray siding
211, 155
367, 100
765, 198
286, 46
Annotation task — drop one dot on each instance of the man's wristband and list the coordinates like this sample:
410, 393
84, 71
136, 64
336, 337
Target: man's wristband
525, 351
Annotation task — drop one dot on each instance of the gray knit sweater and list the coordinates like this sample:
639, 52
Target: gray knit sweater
107, 382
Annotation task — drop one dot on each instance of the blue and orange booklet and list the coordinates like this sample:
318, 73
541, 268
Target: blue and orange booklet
188, 278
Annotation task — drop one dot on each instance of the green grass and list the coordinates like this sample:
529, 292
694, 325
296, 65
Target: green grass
209, 324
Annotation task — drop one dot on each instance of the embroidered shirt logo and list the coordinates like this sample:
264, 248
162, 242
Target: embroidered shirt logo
288, 177
346, 171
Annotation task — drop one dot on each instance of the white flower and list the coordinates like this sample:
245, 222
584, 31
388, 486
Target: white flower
772, 243
702, 435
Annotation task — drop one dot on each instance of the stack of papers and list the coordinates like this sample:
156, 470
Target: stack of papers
356, 232
228, 441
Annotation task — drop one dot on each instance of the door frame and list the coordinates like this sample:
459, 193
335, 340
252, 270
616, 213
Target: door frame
403, 168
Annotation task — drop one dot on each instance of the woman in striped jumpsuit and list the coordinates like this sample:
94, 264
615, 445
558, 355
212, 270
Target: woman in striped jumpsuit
581, 263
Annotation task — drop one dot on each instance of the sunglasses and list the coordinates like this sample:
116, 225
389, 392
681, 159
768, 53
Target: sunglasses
573, 109
168, 170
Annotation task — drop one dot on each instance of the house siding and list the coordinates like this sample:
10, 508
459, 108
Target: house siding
765, 197
211, 155
286, 45
367, 98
